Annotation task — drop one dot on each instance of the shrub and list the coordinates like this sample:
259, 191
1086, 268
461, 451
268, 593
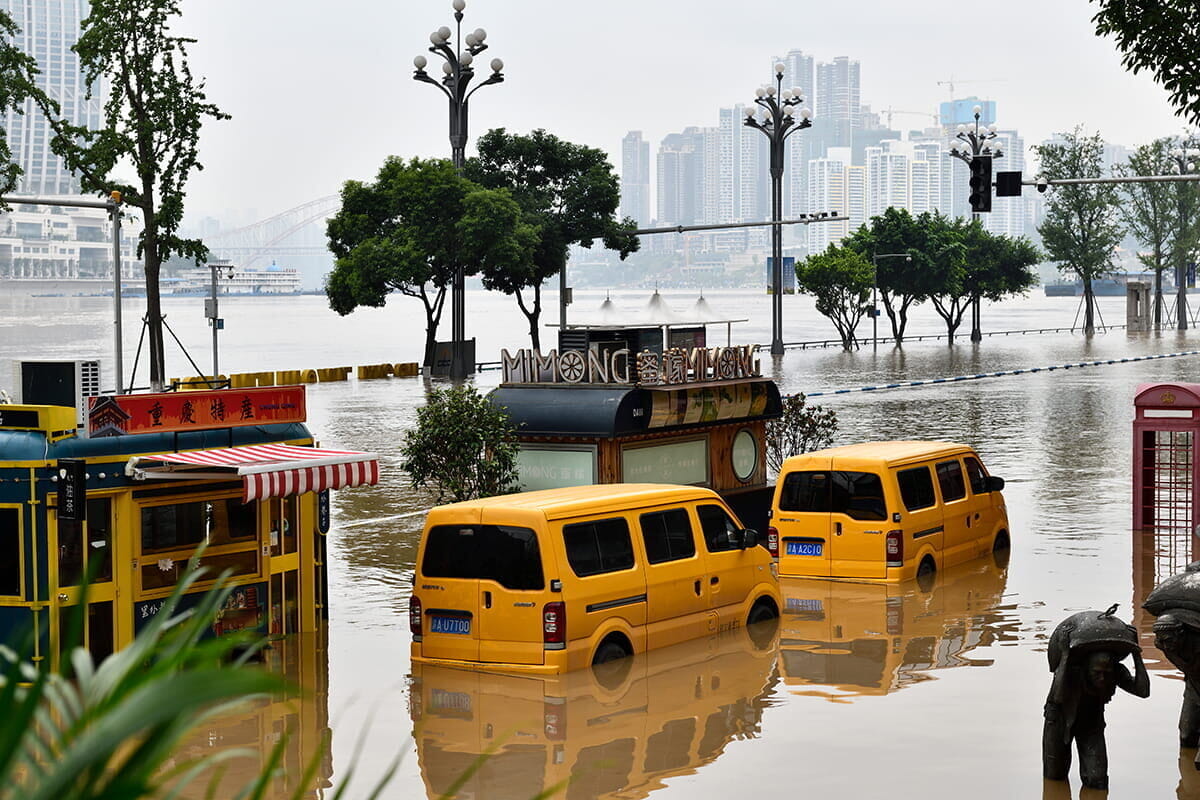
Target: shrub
801, 429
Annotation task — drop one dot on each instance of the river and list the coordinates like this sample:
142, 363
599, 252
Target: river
864, 691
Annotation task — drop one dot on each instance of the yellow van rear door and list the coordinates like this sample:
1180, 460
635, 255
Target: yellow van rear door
448, 586
512, 590
858, 517
801, 515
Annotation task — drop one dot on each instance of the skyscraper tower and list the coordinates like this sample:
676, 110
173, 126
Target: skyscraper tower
839, 98
635, 178
48, 30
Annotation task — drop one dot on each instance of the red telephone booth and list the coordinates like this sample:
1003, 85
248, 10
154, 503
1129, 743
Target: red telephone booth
1166, 490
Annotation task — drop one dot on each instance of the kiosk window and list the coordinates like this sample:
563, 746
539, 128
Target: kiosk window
77, 558
185, 525
950, 479
10, 551
503, 553
916, 488
720, 531
597, 547
668, 535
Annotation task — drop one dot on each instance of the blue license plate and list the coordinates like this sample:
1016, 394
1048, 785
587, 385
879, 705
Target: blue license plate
804, 548
450, 702
459, 625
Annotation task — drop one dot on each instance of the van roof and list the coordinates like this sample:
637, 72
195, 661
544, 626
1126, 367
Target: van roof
892, 452
573, 500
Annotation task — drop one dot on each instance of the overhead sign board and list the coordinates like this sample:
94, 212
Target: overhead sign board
118, 415
647, 368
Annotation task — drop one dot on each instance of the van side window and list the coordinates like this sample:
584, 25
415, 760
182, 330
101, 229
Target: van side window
668, 535
976, 476
858, 495
502, 553
950, 479
720, 531
916, 488
597, 547
805, 491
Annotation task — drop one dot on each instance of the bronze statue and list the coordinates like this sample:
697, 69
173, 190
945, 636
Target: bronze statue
1176, 604
1085, 654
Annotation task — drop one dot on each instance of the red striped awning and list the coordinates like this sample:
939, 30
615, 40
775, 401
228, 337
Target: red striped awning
267, 470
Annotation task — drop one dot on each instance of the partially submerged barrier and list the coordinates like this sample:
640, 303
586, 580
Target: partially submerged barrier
291, 377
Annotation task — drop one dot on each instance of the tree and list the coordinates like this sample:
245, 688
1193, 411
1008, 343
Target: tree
983, 266
901, 283
18, 86
801, 429
463, 446
840, 278
407, 231
568, 194
1148, 210
1081, 227
1162, 37
152, 120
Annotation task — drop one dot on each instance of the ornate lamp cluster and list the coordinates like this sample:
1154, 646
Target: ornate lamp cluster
975, 142
779, 109
457, 72
1186, 154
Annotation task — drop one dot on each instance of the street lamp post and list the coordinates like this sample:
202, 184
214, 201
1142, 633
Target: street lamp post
457, 73
975, 144
874, 286
214, 317
778, 123
1185, 156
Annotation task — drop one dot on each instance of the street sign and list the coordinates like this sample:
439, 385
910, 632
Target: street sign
72, 489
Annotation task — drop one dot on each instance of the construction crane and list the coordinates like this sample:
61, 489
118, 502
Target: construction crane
952, 81
889, 111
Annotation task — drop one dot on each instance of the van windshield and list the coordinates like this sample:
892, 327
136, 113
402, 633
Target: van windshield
501, 553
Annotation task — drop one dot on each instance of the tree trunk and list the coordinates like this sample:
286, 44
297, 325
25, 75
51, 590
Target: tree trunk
532, 316
152, 266
1089, 325
1158, 295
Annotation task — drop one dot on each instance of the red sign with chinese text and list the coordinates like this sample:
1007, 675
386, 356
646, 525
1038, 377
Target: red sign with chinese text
119, 415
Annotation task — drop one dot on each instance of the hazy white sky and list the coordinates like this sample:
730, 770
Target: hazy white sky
322, 92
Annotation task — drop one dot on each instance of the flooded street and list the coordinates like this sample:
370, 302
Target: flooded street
860, 691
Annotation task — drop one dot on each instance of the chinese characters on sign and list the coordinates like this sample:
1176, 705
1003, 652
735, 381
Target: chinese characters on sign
184, 411
647, 368
72, 489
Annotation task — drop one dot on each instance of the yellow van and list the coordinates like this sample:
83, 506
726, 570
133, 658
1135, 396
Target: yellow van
551, 581
885, 511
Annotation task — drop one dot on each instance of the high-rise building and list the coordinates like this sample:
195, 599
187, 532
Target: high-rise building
888, 179
635, 178
1008, 216
839, 97
827, 191
680, 178
48, 30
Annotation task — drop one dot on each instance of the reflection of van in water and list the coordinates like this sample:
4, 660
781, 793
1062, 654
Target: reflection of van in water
842, 638
885, 511
616, 734
555, 580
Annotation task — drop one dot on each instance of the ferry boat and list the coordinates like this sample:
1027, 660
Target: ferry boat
1114, 285
232, 281
128, 489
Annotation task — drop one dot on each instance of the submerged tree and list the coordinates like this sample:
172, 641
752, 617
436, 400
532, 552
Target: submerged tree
18, 86
801, 429
568, 194
840, 279
407, 232
152, 120
1082, 226
1149, 212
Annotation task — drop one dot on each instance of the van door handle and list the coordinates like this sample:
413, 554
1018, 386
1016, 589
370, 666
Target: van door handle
487, 599
837, 528
697, 586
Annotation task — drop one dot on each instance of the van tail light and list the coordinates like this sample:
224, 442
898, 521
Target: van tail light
414, 617
773, 541
895, 548
554, 625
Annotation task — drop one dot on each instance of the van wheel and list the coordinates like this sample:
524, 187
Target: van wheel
609, 650
761, 612
761, 624
1001, 543
925, 573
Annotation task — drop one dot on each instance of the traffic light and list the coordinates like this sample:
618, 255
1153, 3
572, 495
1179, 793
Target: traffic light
981, 183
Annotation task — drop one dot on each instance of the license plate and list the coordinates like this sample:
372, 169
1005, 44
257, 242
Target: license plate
805, 548
459, 625
450, 702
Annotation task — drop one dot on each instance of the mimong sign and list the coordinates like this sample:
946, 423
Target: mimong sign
647, 368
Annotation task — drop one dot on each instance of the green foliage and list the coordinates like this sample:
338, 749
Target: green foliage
568, 194
18, 84
1149, 210
1082, 227
840, 279
463, 446
801, 429
408, 231
152, 120
1162, 37
111, 730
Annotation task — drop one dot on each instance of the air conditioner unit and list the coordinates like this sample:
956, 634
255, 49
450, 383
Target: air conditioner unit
57, 383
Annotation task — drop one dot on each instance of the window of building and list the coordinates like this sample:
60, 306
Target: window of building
81, 554
916, 488
597, 547
950, 480
667, 535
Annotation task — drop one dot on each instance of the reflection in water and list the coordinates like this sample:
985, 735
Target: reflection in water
301, 723
840, 639
1157, 555
617, 732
